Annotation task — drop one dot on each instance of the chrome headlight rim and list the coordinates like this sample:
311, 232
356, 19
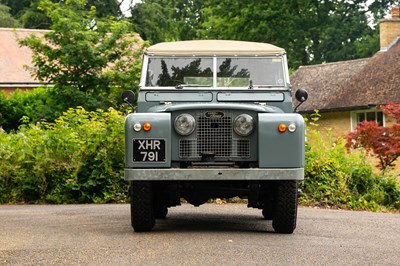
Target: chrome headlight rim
243, 125
184, 124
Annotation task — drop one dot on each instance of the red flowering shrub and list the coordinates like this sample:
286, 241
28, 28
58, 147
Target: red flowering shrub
382, 142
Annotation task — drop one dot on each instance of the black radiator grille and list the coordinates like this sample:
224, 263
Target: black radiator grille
214, 135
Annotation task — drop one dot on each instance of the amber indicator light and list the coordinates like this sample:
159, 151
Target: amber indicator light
282, 128
147, 126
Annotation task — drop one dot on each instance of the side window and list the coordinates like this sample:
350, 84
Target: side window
360, 116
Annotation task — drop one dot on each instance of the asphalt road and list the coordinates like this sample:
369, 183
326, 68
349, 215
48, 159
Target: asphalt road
212, 234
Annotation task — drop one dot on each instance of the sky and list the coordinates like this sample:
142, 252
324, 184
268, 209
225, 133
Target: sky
125, 6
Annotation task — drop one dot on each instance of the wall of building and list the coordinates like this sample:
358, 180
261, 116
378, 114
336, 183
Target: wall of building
335, 124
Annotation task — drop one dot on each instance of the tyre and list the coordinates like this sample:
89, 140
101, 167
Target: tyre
285, 206
142, 210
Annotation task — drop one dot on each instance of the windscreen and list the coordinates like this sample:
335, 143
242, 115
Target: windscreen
230, 72
174, 71
245, 72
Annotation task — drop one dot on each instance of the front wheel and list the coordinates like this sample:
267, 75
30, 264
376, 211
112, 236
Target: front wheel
142, 211
285, 206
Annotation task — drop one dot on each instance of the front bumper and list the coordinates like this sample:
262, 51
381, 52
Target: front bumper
178, 174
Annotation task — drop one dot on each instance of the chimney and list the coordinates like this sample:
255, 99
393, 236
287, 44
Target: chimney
389, 29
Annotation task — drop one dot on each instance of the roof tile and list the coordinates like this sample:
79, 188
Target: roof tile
351, 84
14, 57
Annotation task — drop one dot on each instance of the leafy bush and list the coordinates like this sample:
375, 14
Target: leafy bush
334, 177
36, 104
42, 105
76, 159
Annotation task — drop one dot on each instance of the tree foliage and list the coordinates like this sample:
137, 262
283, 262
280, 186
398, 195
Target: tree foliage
27, 12
382, 142
6, 20
34, 18
311, 31
89, 60
16, 7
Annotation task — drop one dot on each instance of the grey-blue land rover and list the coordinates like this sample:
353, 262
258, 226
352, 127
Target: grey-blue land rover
214, 119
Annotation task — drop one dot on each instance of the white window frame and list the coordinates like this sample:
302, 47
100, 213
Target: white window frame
353, 117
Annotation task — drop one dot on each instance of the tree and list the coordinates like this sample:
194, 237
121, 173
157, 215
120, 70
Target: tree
105, 8
382, 142
168, 20
16, 7
311, 31
89, 60
153, 21
6, 20
27, 12
34, 18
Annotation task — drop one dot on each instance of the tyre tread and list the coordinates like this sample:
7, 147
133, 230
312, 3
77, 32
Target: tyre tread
142, 212
285, 209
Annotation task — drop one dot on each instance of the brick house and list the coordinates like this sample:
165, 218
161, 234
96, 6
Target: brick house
16, 61
348, 92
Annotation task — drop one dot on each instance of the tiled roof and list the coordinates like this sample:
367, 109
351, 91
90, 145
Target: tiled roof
13, 57
351, 84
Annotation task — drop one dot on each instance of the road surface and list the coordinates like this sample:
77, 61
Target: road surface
211, 234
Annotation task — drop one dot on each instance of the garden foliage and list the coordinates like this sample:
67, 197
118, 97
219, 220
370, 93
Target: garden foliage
338, 178
76, 159
37, 104
79, 158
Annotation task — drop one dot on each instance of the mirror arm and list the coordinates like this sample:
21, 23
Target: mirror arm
128, 103
296, 109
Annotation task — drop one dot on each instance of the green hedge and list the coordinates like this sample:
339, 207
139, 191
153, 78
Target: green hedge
37, 104
76, 159
335, 177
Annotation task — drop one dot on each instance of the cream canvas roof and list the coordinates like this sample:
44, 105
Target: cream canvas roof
214, 47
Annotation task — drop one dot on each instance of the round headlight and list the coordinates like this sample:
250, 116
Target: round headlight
184, 124
243, 125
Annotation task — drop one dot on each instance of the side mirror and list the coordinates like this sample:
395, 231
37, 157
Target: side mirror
301, 95
128, 96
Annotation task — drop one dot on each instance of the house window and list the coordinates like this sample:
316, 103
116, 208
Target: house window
360, 116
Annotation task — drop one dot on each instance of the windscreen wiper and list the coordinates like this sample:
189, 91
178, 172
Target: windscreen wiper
250, 85
181, 86
262, 86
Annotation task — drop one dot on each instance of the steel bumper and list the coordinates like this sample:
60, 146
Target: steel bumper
176, 174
